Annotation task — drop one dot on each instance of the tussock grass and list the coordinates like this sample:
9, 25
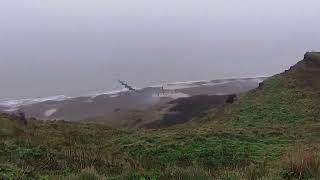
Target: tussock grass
302, 163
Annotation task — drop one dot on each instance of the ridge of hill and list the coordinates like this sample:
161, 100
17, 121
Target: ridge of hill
272, 132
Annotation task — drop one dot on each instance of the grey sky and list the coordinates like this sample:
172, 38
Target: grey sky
50, 47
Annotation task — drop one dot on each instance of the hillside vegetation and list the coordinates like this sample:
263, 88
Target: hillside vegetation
272, 132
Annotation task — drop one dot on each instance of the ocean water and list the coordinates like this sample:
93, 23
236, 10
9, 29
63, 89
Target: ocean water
14, 103
73, 48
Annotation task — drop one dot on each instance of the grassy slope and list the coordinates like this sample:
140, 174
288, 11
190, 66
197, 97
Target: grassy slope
273, 132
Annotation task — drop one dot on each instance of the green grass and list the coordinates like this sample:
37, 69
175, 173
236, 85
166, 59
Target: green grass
249, 139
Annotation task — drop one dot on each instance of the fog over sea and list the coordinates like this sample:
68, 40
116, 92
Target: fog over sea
72, 48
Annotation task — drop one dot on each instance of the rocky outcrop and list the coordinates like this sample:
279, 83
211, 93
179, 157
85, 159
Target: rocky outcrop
310, 63
307, 71
313, 56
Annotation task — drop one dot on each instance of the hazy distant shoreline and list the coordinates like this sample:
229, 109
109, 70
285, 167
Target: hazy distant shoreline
13, 104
